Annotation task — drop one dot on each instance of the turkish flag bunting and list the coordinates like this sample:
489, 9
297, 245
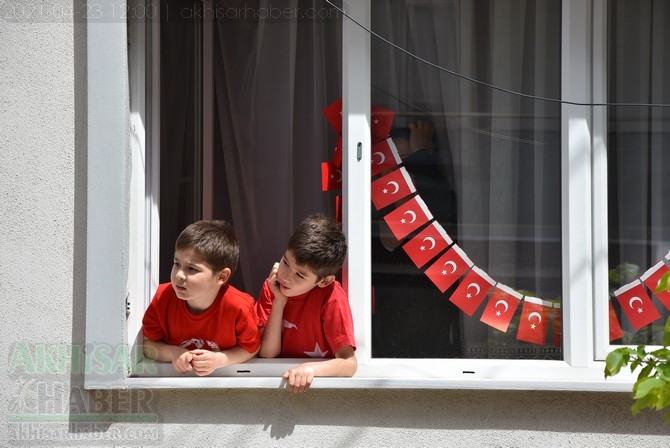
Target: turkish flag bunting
331, 177
408, 217
501, 307
382, 121
558, 330
427, 244
449, 268
472, 291
384, 157
534, 321
636, 304
333, 113
391, 188
615, 328
337, 155
652, 277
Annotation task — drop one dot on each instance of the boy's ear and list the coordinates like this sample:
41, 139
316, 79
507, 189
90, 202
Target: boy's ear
327, 280
224, 275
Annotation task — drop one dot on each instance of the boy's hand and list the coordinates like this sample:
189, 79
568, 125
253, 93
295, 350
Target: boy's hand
273, 281
182, 363
299, 378
205, 362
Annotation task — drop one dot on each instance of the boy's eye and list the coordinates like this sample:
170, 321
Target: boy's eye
192, 269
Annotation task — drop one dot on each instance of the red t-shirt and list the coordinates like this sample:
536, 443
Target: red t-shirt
229, 321
315, 325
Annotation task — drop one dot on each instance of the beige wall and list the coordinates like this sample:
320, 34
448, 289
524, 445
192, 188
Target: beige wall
42, 259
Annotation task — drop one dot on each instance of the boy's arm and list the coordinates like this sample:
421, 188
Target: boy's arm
160, 351
271, 333
299, 378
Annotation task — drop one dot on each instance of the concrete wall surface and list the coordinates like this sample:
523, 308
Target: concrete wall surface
42, 217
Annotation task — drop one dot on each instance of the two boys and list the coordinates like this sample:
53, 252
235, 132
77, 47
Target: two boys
199, 322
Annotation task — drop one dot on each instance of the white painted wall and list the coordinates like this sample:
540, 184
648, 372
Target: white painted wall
42, 287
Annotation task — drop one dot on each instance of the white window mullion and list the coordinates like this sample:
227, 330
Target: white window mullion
576, 126
600, 224
356, 179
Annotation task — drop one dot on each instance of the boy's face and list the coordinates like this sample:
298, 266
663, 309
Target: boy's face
293, 278
194, 280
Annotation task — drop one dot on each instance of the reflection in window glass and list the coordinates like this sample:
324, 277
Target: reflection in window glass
489, 175
638, 153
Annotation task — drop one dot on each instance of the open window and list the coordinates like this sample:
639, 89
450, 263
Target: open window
529, 185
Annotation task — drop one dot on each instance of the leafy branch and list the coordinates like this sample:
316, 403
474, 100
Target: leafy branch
652, 387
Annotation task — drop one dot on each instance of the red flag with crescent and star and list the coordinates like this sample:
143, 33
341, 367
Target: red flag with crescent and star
448, 268
391, 188
384, 156
333, 113
501, 307
615, 328
534, 321
472, 291
331, 176
382, 121
636, 304
652, 277
427, 244
408, 217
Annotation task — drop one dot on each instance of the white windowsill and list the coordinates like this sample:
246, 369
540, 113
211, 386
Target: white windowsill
399, 374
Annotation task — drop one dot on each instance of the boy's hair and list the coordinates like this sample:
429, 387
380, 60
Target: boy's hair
213, 241
319, 244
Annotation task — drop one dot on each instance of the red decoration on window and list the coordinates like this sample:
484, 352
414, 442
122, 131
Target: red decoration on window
501, 307
472, 291
636, 304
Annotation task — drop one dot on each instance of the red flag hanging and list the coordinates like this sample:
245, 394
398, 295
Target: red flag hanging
636, 304
427, 244
384, 156
408, 217
333, 113
391, 188
472, 291
382, 121
534, 321
652, 277
449, 268
501, 307
615, 328
331, 177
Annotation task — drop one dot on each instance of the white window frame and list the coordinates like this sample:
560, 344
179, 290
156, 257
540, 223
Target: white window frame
122, 227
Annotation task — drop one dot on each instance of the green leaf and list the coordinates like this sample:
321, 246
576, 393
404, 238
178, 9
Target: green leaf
648, 401
615, 360
664, 283
646, 372
666, 333
648, 387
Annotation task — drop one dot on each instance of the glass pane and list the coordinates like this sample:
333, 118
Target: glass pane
638, 165
483, 279
180, 125
275, 70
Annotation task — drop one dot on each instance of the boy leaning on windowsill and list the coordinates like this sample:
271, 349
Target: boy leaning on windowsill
303, 311
198, 321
